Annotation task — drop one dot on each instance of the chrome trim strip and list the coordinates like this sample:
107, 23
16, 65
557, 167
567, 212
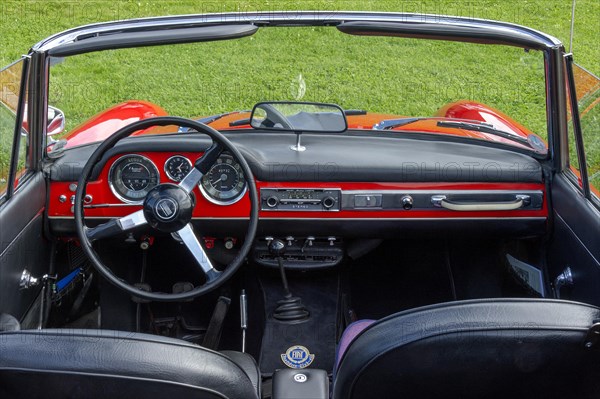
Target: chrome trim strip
441, 191
94, 206
513, 32
303, 188
337, 219
388, 219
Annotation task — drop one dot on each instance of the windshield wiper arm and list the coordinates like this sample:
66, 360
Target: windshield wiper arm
209, 119
394, 123
240, 122
531, 141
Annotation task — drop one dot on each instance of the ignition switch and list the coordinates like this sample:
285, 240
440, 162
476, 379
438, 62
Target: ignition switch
230, 242
146, 242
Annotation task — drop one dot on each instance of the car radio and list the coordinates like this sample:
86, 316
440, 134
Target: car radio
300, 199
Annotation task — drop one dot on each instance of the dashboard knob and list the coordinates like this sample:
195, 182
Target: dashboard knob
407, 202
328, 202
272, 201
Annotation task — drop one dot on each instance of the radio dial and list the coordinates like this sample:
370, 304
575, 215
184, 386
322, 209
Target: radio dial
272, 201
328, 202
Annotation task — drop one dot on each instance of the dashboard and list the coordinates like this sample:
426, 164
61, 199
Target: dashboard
366, 187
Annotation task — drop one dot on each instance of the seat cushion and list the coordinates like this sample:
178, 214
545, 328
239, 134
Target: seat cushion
517, 348
248, 364
100, 363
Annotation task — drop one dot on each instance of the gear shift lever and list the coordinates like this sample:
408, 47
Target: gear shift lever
290, 308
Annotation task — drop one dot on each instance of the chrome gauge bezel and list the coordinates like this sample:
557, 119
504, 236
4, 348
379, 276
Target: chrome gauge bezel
169, 160
111, 178
219, 201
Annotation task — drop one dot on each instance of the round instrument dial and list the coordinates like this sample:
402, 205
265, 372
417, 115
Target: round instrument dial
177, 167
224, 184
131, 177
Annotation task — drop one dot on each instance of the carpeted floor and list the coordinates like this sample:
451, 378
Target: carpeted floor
319, 293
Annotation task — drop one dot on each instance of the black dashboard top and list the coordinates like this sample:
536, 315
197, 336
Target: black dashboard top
335, 157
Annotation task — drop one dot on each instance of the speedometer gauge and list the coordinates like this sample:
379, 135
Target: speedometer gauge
131, 177
224, 184
177, 167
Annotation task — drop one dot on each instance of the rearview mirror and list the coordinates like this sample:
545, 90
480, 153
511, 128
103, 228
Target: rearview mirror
299, 117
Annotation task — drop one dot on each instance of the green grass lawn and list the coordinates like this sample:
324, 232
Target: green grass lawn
406, 77
7, 126
590, 124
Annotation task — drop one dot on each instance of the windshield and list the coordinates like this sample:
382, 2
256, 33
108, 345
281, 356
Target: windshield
385, 76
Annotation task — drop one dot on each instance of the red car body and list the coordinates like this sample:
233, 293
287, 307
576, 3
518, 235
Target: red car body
102, 125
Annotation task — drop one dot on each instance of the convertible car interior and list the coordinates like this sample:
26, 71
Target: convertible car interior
297, 246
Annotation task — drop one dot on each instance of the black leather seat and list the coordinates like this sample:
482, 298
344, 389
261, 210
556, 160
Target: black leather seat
112, 364
513, 348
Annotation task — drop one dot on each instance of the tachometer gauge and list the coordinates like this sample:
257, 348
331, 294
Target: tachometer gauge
131, 177
224, 184
177, 167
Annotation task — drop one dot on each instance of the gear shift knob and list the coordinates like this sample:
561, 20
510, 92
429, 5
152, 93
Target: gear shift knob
277, 247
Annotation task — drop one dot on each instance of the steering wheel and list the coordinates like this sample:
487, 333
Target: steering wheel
167, 208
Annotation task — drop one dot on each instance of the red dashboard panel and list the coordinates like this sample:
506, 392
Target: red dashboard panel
105, 204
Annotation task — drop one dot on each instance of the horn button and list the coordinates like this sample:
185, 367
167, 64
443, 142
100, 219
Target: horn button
168, 207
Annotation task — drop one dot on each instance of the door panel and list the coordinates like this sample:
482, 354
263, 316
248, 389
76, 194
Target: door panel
22, 245
576, 241
22, 195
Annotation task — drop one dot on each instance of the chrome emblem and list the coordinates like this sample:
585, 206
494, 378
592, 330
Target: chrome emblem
297, 357
166, 209
300, 377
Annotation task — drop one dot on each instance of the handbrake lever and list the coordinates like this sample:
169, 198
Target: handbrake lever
243, 318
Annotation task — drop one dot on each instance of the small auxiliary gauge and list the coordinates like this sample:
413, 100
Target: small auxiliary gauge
177, 167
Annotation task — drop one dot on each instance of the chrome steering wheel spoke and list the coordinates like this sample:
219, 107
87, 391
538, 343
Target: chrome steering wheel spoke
116, 226
191, 180
193, 245
201, 167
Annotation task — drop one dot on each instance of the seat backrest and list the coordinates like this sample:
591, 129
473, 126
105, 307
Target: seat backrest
111, 364
508, 348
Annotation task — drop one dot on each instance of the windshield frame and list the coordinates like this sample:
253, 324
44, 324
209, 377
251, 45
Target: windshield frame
359, 23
